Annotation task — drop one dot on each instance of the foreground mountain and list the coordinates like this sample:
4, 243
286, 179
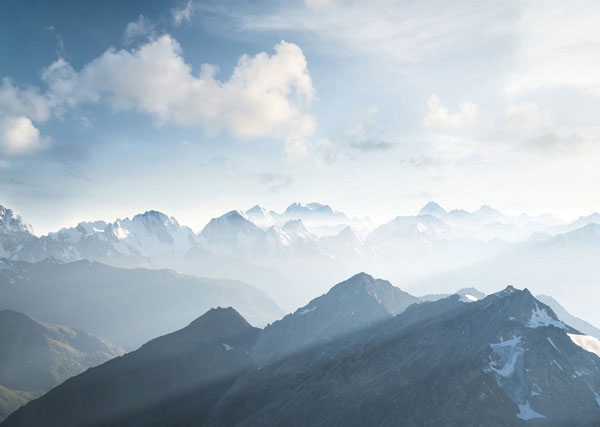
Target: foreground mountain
186, 369
503, 360
348, 307
126, 306
36, 356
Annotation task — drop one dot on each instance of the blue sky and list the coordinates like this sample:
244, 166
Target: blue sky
194, 108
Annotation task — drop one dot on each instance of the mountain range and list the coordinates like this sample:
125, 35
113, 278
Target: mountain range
505, 359
294, 254
36, 356
125, 306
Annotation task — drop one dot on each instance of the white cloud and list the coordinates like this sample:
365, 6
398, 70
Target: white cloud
18, 136
264, 97
439, 118
143, 27
296, 149
28, 102
326, 150
558, 48
408, 32
525, 116
182, 14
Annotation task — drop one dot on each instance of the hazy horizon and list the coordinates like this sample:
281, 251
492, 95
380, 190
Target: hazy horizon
197, 108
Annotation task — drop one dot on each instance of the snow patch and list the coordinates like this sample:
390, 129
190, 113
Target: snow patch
509, 351
307, 310
526, 412
540, 317
586, 342
552, 343
467, 298
227, 347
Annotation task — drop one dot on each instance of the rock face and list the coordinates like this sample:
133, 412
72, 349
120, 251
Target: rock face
14, 233
151, 239
36, 356
172, 380
506, 359
348, 307
126, 306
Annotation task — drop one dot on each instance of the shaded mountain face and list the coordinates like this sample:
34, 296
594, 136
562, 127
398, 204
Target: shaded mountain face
348, 307
126, 306
172, 380
506, 359
36, 356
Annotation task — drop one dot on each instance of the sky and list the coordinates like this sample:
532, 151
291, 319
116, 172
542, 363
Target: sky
195, 108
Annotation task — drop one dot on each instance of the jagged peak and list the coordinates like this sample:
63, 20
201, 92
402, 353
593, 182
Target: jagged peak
152, 216
313, 206
234, 215
256, 209
11, 222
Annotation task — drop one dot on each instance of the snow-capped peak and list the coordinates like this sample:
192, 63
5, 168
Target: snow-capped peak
11, 222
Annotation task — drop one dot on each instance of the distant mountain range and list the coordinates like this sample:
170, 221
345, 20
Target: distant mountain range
292, 255
36, 356
564, 266
126, 306
365, 353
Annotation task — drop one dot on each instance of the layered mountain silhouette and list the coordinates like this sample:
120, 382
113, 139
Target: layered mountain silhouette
294, 254
125, 306
36, 356
506, 359
157, 384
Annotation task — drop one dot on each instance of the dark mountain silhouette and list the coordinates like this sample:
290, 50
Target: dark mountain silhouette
506, 359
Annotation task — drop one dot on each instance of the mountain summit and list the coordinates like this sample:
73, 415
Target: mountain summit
433, 209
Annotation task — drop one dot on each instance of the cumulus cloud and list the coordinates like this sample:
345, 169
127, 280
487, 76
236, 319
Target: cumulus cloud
182, 14
19, 136
439, 118
24, 101
264, 97
141, 28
